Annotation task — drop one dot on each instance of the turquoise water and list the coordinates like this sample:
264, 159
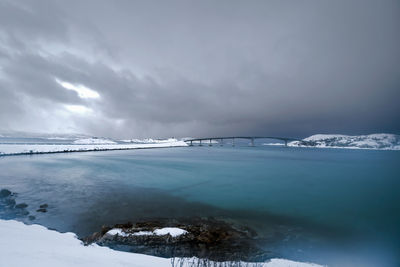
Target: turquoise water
331, 206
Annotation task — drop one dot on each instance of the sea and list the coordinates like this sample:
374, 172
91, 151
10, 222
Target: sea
335, 207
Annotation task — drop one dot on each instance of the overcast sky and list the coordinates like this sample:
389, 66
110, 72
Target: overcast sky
200, 68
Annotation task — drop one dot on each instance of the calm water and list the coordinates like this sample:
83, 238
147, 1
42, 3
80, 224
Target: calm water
331, 206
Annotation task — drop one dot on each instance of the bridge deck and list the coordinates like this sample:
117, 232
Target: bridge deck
243, 137
252, 138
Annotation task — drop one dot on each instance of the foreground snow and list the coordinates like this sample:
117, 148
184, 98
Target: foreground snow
34, 245
20, 149
371, 141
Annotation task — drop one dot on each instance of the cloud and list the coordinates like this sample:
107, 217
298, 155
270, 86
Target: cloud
81, 90
201, 68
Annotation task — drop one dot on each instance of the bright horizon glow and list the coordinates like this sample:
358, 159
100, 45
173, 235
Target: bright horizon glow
83, 91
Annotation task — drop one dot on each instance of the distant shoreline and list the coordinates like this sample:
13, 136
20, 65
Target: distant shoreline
15, 150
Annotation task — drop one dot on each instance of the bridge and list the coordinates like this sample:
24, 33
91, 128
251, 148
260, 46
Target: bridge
251, 138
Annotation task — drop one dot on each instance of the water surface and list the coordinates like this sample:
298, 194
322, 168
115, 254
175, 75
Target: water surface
332, 206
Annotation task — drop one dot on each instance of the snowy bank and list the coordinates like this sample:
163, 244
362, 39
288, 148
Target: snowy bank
21, 149
34, 245
371, 141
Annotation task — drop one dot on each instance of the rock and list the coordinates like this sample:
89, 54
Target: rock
21, 206
24, 213
4, 193
31, 217
10, 202
41, 210
44, 206
206, 238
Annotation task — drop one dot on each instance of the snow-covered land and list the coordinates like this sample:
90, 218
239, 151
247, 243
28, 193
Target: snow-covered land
34, 245
91, 141
20, 149
273, 144
371, 141
148, 141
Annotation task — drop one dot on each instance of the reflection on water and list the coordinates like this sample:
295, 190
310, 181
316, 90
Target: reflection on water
305, 204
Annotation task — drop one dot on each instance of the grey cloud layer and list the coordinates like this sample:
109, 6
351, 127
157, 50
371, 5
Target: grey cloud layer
201, 68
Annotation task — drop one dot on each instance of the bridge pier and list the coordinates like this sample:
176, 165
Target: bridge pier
252, 141
221, 142
210, 144
233, 141
200, 143
285, 143
191, 143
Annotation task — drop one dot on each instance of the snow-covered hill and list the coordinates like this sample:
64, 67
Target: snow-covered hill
372, 141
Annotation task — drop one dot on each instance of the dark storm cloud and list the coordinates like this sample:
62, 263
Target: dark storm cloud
191, 68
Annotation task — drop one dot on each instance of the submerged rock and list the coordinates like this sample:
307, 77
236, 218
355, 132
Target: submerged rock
8, 207
202, 238
21, 206
9, 202
41, 210
4, 193
44, 206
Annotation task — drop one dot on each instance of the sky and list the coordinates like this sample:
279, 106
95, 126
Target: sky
134, 69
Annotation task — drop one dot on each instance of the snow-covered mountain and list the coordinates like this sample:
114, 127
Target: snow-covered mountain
371, 141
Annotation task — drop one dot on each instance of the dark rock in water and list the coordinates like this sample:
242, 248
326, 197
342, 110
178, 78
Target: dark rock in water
24, 212
21, 206
206, 238
9, 202
4, 193
31, 217
41, 210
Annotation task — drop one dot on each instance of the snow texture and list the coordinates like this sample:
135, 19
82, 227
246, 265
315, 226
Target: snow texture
172, 231
89, 141
149, 141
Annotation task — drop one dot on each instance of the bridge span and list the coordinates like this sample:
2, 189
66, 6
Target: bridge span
251, 138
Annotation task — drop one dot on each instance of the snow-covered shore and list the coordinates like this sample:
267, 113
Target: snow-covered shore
372, 141
34, 245
22, 149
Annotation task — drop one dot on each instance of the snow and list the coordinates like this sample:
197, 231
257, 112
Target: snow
34, 246
21, 149
117, 231
149, 141
273, 144
372, 141
88, 141
172, 231
143, 233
